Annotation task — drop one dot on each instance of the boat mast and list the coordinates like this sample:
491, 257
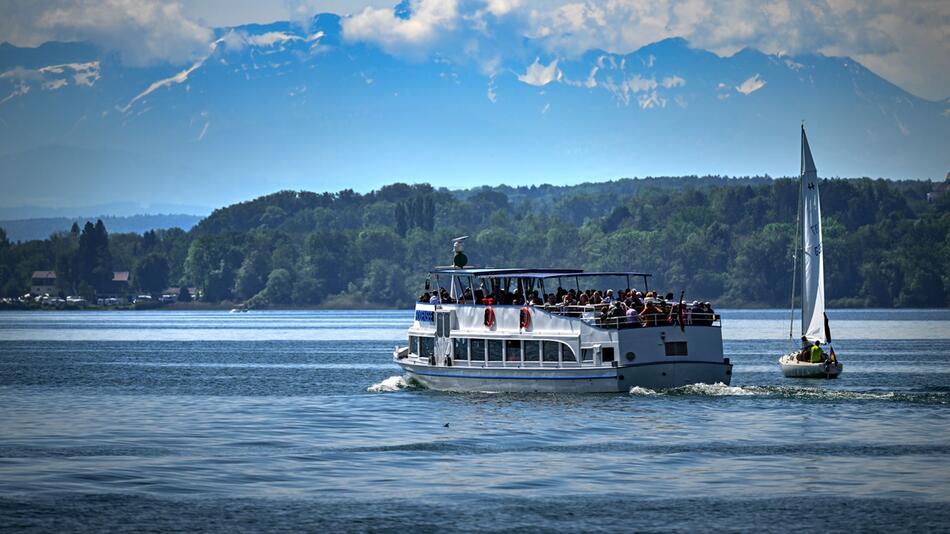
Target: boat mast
799, 244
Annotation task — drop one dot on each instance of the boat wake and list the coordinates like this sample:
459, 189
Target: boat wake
791, 392
709, 390
393, 383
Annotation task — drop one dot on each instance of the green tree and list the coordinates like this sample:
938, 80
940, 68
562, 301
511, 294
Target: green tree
151, 273
280, 286
249, 279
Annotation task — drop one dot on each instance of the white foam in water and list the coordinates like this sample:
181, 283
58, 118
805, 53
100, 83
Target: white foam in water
393, 383
643, 392
716, 390
713, 390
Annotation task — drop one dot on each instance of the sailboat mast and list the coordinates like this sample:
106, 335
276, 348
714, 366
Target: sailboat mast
796, 246
800, 222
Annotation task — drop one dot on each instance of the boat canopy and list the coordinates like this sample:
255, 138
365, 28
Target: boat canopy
533, 273
507, 273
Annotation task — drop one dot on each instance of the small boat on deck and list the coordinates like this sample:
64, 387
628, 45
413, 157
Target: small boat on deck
811, 361
482, 333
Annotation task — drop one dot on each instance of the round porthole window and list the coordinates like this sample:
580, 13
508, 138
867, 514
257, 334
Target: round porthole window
631, 356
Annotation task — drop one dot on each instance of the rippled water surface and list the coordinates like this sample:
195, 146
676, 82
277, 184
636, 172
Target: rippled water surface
299, 421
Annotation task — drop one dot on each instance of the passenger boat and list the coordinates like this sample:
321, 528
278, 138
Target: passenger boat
815, 327
477, 342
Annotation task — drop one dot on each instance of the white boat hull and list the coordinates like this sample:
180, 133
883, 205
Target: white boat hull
566, 380
792, 368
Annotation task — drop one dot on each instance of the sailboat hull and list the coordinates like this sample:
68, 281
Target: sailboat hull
792, 368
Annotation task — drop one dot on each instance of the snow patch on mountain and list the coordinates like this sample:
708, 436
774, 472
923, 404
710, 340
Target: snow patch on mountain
178, 78
673, 81
751, 85
53, 85
270, 39
21, 89
539, 75
51, 78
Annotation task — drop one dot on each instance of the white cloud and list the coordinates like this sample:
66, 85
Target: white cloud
546, 109
141, 31
501, 7
428, 20
492, 95
751, 85
539, 75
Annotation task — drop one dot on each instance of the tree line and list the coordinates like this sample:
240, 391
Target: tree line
725, 240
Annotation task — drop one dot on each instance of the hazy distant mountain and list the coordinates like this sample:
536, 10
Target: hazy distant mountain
27, 229
282, 106
111, 209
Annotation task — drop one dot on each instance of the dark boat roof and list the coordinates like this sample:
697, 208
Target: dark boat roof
532, 273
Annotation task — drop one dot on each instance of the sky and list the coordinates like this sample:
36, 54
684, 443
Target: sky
906, 42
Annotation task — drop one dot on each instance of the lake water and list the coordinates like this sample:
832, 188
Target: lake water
209, 421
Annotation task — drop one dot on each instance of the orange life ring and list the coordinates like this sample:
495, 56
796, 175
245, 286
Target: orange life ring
525, 318
489, 317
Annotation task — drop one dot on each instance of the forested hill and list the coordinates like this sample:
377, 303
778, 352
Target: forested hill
724, 240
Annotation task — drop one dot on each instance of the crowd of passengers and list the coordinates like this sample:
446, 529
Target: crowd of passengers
627, 306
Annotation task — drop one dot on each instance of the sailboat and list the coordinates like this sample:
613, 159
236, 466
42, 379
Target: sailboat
809, 363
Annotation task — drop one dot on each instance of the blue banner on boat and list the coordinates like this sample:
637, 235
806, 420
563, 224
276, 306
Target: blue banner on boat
425, 316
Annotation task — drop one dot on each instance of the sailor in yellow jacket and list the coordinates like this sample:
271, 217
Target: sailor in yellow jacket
817, 355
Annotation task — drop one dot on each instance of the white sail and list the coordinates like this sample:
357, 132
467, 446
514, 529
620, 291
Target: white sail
813, 272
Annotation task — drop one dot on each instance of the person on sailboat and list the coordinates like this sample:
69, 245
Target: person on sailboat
805, 354
817, 355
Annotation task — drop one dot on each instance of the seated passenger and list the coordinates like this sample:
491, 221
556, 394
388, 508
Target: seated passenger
651, 313
434, 299
584, 300
633, 318
816, 354
424, 297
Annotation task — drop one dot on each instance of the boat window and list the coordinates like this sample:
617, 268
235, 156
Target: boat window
414, 344
478, 350
461, 348
513, 350
531, 351
607, 354
427, 347
494, 350
676, 348
567, 353
587, 355
550, 350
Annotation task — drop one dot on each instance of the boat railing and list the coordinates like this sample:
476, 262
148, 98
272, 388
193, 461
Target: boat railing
593, 314
654, 320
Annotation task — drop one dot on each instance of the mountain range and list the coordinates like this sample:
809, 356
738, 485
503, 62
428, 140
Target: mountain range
299, 106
